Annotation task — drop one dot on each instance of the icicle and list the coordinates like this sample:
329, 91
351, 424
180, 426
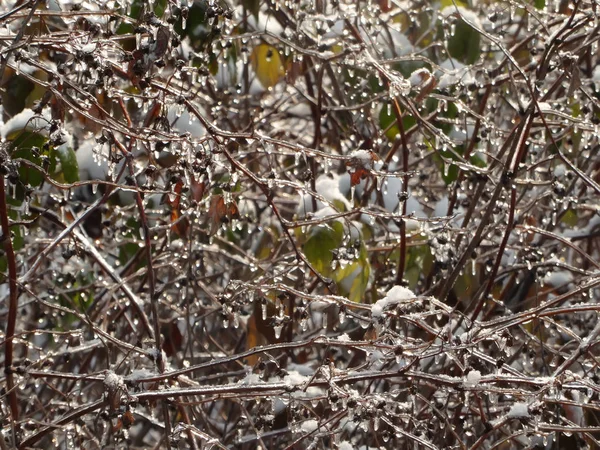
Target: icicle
277, 329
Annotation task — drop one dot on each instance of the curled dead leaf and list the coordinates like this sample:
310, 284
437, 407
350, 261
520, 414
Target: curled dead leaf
221, 212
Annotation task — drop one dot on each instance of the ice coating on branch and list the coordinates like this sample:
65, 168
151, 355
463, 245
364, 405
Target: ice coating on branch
392, 188
325, 212
395, 295
419, 76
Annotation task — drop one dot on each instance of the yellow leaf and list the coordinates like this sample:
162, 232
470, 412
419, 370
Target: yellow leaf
446, 3
266, 62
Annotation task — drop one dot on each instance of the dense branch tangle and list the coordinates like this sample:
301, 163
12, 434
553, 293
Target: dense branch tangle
300, 224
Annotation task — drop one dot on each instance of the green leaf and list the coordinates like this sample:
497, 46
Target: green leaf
136, 9
478, 161
68, 164
126, 27
358, 278
540, 4
320, 245
21, 145
359, 285
159, 8
15, 93
18, 239
570, 218
127, 251
83, 302
465, 44
388, 123
418, 263
253, 6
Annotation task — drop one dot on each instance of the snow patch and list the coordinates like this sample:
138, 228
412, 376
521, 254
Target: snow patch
112, 381
328, 186
473, 378
364, 158
344, 338
26, 120
519, 410
464, 13
453, 72
308, 426
249, 379
395, 295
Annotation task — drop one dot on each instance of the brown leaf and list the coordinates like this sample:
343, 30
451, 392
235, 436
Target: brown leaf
357, 175
197, 189
220, 212
179, 225
161, 45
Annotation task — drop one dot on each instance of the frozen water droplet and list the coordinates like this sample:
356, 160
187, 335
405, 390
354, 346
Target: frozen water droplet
447, 169
304, 323
277, 329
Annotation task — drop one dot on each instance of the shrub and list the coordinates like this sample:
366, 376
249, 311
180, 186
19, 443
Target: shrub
300, 224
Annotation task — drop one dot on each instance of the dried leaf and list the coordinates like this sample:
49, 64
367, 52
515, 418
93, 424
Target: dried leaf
197, 189
178, 225
220, 212
357, 176
161, 45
